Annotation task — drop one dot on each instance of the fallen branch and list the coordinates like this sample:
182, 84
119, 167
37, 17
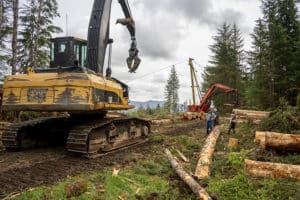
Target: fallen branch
294, 119
273, 170
195, 187
288, 142
205, 158
182, 156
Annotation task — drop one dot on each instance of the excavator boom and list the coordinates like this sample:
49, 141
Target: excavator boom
98, 35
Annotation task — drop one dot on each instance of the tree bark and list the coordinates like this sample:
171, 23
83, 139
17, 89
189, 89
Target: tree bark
279, 141
202, 168
14, 44
272, 170
195, 187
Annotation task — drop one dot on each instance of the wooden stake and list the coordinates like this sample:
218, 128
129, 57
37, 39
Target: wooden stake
233, 142
195, 187
202, 168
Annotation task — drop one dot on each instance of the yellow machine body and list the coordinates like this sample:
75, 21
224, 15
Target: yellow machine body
73, 92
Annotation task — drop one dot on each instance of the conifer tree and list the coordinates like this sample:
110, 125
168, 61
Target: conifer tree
283, 32
5, 28
260, 85
226, 62
36, 20
171, 92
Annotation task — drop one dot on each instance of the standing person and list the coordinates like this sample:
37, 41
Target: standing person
208, 122
217, 117
213, 118
232, 123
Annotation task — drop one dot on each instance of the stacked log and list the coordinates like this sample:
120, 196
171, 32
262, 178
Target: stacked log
205, 158
250, 115
272, 170
195, 187
279, 141
193, 115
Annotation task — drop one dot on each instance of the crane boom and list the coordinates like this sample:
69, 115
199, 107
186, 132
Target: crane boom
98, 35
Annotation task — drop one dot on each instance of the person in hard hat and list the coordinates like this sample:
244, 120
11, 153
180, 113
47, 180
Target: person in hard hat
232, 123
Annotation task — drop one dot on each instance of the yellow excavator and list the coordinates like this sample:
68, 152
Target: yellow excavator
75, 83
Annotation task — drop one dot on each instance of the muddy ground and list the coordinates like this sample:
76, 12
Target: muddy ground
22, 170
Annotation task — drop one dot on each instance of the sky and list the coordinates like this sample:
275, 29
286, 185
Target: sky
168, 33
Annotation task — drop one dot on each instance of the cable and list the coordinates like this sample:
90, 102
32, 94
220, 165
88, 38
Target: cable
156, 71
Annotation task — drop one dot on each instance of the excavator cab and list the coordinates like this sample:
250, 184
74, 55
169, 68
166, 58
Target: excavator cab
68, 51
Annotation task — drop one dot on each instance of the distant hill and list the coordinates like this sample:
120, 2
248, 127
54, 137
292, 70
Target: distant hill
145, 104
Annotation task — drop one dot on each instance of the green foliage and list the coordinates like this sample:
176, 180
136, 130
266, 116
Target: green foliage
171, 92
148, 112
276, 49
36, 20
242, 186
279, 120
236, 159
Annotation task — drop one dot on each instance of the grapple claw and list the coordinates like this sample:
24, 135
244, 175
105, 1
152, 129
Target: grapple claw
133, 64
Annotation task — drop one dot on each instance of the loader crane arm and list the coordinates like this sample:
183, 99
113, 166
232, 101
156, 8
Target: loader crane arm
204, 105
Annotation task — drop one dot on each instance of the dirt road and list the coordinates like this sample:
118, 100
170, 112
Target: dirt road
22, 170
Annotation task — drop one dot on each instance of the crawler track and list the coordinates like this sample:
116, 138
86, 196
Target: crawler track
16, 135
97, 138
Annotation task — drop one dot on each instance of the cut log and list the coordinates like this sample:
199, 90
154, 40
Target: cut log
272, 170
205, 158
195, 187
182, 156
161, 121
279, 141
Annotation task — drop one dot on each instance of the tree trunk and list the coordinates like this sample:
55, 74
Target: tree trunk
279, 141
195, 187
202, 168
272, 170
15, 36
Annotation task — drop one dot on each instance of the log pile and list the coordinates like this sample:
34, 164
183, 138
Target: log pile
161, 121
192, 115
278, 141
205, 158
272, 170
251, 115
195, 187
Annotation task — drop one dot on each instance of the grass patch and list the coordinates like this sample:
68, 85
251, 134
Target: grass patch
149, 179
